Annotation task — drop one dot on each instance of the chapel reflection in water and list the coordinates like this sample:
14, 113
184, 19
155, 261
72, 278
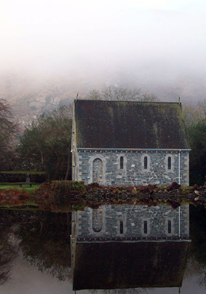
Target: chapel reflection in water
126, 246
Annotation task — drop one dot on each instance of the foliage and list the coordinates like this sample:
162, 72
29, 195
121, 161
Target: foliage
68, 195
120, 94
7, 130
195, 120
197, 138
8, 159
46, 144
59, 195
12, 196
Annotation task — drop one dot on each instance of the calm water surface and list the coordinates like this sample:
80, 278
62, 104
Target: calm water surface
116, 248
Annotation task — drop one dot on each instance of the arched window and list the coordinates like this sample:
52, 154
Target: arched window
121, 162
169, 162
145, 162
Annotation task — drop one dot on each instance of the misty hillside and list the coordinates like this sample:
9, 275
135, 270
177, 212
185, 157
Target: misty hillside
30, 97
50, 50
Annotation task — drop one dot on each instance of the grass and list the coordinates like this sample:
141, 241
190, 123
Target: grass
25, 187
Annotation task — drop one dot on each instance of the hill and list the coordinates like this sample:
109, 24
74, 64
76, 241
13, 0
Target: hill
31, 95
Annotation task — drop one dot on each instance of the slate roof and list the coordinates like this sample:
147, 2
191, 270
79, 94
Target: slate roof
121, 265
126, 124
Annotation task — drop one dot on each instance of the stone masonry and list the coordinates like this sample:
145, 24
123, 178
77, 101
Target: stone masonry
134, 171
128, 222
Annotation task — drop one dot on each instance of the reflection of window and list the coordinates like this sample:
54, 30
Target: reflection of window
97, 220
121, 162
145, 227
169, 227
169, 162
121, 229
145, 162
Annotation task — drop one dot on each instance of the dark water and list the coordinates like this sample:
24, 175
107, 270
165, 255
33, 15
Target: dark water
113, 249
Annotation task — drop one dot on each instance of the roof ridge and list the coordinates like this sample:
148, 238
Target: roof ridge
131, 101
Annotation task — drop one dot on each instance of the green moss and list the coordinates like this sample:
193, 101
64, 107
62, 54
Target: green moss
185, 190
79, 185
79, 206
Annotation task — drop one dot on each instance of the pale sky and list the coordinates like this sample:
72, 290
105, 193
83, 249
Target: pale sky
90, 36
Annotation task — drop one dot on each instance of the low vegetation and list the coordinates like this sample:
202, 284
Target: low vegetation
65, 196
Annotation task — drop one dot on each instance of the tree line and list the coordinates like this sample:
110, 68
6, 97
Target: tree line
45, 145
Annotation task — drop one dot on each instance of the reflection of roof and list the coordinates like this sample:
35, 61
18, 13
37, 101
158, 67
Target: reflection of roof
115, 124
129, 265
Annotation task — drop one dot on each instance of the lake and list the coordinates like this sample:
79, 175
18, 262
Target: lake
114, 248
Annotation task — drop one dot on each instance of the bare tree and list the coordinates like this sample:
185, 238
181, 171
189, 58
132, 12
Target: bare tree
7, 126
120, 94
193, 113
202, 107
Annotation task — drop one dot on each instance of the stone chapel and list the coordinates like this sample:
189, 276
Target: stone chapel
126, 143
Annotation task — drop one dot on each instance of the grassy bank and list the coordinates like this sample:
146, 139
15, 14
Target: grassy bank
18, 187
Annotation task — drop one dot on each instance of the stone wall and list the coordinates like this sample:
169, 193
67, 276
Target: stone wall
139, 167
130, 222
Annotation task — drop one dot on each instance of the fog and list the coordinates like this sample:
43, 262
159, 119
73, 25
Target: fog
156, 45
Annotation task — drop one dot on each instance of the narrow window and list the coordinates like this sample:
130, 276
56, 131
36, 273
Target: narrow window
169, 163
145, 227
121, 162
121, 227
169, 227
145, 162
